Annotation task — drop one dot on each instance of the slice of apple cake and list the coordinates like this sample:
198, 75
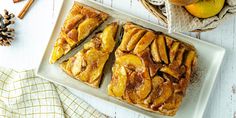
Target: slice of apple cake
151, 70
80, 22
87, 65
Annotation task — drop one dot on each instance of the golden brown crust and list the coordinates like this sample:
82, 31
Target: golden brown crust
87, 65
155, 74
80, 22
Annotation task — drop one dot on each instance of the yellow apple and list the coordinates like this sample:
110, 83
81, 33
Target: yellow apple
205, 8
182, 2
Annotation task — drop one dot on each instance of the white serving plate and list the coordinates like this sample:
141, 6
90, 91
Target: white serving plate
194, 103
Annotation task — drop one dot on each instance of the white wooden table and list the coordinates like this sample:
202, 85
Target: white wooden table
34, 31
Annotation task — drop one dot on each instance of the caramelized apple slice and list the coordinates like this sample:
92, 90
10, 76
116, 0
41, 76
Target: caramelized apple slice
165, 92
144, 42
131, 97
130, 25
189, 59
118, 84
179, 56
146, 57
189, 62
119, 53
134, 40
157, 81
138, 80
107, 36
73, 34
56, 54
95, 61
138, 86
146, 86
94, 43
86, 27
131, 60
154, 51
68, 40
66, 48
79, 63
126, 38
71, 23
133, 81
169, 41
162, 48
89, 45
67, 66
171, 72
173, 51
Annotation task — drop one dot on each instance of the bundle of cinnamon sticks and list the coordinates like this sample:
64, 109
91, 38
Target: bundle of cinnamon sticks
25, 9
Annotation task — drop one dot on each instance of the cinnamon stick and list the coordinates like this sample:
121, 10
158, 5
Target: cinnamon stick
25, 9
15, 1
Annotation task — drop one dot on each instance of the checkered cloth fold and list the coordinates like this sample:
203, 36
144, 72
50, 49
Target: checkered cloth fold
22, 94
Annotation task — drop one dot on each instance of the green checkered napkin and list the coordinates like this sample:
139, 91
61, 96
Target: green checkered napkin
22, 94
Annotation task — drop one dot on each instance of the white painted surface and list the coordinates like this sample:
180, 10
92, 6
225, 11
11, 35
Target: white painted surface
34, 30
32, 33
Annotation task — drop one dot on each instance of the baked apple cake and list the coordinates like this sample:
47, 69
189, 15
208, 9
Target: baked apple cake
87, 65
80, 22
151, 70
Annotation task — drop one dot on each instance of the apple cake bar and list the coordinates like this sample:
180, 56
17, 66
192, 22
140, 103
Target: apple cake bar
87, 65
151, 70
80, 22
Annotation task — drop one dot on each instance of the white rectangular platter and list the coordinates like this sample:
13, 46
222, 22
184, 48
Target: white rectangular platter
209, 60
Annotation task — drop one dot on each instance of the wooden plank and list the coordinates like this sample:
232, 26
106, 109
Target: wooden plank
222, 103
